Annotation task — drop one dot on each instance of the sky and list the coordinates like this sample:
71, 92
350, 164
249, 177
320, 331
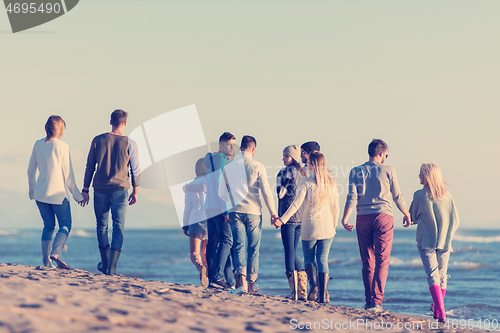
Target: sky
421, 75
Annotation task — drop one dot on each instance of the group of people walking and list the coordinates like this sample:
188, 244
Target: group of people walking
308, 209
225, 233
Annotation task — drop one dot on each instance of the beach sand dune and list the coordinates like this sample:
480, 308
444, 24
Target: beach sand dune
39, 299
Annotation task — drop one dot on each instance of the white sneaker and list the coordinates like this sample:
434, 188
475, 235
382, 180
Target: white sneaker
238, 291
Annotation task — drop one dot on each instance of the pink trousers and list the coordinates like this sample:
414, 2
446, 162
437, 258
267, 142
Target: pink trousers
375, 234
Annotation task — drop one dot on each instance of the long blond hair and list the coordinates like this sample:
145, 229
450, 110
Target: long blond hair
324, 181
433, 180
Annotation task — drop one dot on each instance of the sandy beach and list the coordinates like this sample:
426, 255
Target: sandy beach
38, 299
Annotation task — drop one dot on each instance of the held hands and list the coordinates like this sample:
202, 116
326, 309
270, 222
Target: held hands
273, 219
406, 220
347, 226
276, 221
85, 200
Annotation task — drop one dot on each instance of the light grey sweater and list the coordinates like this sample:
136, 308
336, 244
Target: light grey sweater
248, 181
371, 186
437, 220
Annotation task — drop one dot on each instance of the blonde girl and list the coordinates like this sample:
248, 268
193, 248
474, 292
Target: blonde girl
319, 199
434, 212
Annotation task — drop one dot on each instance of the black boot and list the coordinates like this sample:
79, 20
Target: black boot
103, 265
323, 288
114, 255
313, 282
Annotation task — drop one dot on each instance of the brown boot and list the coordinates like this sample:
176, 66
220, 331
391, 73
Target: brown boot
302, 284
323, 288
313, 282
293, 284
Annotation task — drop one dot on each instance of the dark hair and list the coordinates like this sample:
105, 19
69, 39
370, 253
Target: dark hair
200, 168
51, 126
226, 136
310, 146
247, 142
118, 117
376, 147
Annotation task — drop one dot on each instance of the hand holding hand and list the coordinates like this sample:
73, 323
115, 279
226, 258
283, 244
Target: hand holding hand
347, 226
406, 220
277, 222
85, 200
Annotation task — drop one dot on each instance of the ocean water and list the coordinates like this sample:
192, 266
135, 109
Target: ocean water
474, 269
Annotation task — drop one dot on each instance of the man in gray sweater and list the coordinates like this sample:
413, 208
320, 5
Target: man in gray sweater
245, 218
114, 154
371, 186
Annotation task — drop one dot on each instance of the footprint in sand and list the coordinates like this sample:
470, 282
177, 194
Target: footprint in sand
30, 306
119, 311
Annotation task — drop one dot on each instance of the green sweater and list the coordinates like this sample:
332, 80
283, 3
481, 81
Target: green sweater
437, 220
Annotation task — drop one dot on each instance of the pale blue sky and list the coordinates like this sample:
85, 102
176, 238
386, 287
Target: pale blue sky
421, 75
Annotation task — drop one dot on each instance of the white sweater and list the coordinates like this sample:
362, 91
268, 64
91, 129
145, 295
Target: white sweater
53, 161
194, 211
318, 222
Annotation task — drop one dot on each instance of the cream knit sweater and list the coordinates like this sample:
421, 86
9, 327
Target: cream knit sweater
318, 222
53, 161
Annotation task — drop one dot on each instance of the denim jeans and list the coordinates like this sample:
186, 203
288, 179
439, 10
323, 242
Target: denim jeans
117, 203
436, 265
290, 236
319, 250
49, 212
219, 248
246, 226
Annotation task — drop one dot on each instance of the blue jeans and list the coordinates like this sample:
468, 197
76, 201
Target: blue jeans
319, 249
219, 248
117, 202
243, 226
290, 236
49, 212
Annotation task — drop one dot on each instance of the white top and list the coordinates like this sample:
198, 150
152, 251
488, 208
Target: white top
53, 161
194, 211
247, 180
318, 222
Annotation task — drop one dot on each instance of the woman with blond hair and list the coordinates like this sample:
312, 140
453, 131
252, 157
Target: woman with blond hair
52, 159
318, 196
433, 209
